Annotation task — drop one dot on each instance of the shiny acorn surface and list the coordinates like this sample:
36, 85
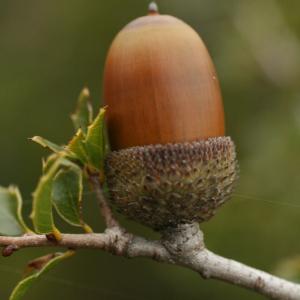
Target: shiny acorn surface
160, 85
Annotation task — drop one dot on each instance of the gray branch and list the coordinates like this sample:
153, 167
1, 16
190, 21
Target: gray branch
182, 246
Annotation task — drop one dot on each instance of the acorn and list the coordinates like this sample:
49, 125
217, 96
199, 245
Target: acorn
171, 162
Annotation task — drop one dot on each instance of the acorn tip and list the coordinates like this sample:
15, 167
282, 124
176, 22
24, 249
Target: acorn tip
153, 8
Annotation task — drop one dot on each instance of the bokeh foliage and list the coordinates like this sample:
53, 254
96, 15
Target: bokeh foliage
50, 49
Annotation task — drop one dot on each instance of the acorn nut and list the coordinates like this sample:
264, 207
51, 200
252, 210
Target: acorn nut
171, 161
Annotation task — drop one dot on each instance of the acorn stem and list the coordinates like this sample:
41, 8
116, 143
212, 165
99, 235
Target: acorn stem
153, 8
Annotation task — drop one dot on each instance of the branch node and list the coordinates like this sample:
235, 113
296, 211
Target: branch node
205, 273
183, 240
9, 250
51, 238
119, 240
259, 283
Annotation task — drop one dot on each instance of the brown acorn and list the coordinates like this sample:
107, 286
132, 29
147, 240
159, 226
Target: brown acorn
171, 162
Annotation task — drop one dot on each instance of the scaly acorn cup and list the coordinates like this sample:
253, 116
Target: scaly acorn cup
171, 162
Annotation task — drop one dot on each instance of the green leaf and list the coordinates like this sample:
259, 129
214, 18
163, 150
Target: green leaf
42, 205
91, 149
49, 161
67, 195
95, 142
83, 115
66, 204
77, 147
47, 144
11, 221
41, 215
43, 265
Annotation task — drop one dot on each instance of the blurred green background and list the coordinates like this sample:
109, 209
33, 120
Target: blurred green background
50, 49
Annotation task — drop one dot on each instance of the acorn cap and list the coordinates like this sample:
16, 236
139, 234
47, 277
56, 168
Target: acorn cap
160, 85
164, 185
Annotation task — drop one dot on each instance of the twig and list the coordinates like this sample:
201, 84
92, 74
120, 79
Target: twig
187, 248
182, 246
105, 210
113, 240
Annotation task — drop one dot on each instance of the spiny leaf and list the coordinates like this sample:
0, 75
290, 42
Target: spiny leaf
41, 215
11, 221
49, 161
47, 144
95, 142
91, 149
62, 189
42, 198
67, 195
77, 147
41, 265
83, 115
